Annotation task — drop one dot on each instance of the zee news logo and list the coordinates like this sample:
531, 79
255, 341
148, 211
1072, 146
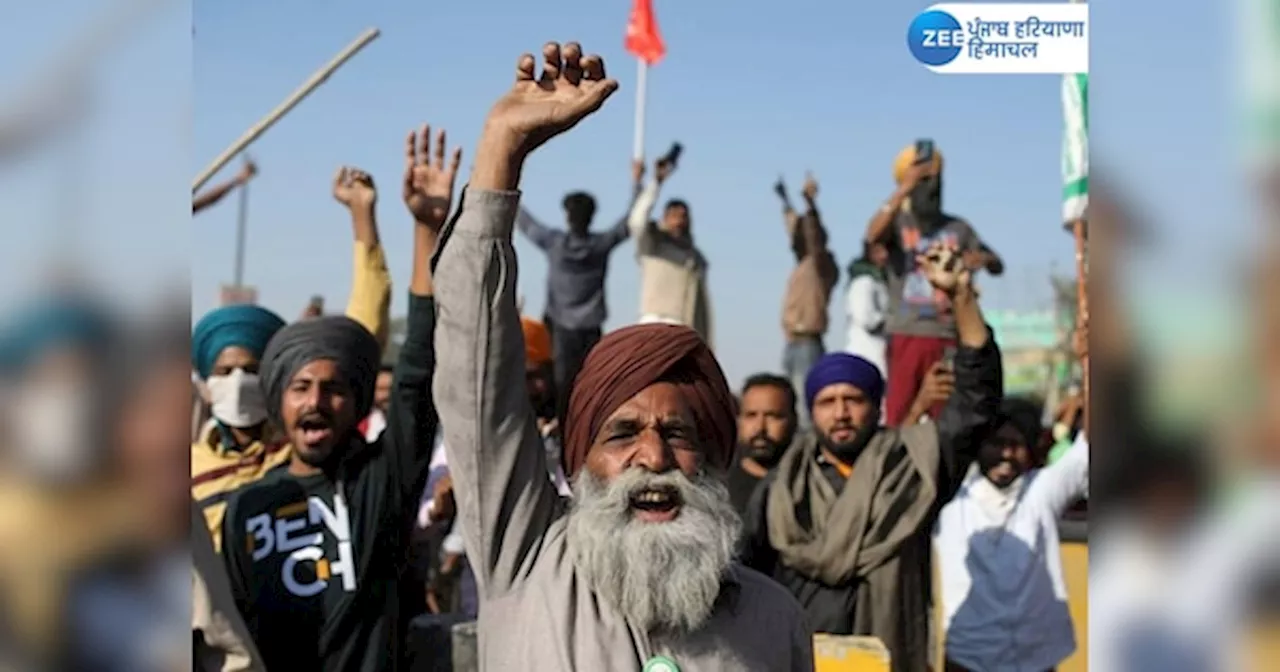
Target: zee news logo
1001, 38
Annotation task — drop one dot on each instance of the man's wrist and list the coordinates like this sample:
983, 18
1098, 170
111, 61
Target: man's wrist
499, 158
964, 295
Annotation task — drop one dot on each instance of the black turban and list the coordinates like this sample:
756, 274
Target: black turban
335, 337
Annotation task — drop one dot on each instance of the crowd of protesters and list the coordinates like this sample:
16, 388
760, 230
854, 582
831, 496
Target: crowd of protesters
623, 509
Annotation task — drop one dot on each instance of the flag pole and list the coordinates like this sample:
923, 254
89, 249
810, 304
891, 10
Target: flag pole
642, 72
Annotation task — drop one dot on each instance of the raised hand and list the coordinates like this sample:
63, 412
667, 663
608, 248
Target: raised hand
938, 385
354, 188
637, 171
945, 269
663, 169
247, 172
428, 180
810, 188
538, 108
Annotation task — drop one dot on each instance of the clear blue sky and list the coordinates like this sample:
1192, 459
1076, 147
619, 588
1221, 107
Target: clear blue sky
751, 88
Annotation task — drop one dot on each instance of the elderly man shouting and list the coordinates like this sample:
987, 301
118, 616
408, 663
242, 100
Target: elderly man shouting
637, 573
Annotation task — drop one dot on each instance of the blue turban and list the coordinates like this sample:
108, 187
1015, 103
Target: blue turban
66, 321
842, 367
243, 326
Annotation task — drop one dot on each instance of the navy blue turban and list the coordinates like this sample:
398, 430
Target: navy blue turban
243, 326
842, 367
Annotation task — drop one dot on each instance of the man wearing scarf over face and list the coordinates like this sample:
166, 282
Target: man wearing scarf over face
844, 520
237, 447
637, 571
921, 321
315, 550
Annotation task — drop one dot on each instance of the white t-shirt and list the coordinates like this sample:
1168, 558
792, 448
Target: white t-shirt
1004, 600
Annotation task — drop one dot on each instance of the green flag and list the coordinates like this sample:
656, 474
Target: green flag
1075, 146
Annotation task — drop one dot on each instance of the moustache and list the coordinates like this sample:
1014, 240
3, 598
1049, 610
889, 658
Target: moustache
315, 416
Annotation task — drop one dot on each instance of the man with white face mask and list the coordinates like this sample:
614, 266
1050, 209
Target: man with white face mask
234, 448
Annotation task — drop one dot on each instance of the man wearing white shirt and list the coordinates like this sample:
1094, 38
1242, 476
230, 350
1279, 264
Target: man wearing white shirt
1004, 599
867, 304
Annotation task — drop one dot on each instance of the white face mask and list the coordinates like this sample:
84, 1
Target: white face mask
51, 427
237, 399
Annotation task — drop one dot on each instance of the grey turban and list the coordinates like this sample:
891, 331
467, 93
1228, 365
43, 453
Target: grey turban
335, 337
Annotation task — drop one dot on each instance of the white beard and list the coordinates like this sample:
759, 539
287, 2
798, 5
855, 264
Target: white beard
659, 576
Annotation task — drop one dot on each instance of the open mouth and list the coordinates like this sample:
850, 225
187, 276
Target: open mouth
656, 504
314, 429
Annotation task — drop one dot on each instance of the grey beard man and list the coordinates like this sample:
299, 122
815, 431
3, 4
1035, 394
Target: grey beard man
660, 576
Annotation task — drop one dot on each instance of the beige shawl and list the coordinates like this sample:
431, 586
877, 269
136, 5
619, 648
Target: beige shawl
870, 533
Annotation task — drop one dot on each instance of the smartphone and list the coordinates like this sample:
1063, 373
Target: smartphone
924, 150
780, 188
949, 358
673, 154
317, 303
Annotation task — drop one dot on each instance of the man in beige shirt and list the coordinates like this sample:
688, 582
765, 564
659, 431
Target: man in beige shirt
638, 572
673, 272
804, 306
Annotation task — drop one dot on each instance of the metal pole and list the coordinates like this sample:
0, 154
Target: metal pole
242, 225
637, 146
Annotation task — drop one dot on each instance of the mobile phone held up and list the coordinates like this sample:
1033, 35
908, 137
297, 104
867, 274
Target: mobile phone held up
673, 155
949, 358
924, 150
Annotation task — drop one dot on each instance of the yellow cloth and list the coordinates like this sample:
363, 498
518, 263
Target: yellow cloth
47, 537
216, 472
537, 341
370, 301
907, 157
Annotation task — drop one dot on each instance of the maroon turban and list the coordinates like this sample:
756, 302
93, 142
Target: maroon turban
627, 361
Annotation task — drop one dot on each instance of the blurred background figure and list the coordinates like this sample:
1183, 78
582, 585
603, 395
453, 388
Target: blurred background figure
61, 504
128, 609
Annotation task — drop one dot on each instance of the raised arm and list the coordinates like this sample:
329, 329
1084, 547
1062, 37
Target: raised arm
505, 501
1067, 480
640, 219
219, 192
370, 300
880, 227
537, 232
621, 229
412, 420
972, 408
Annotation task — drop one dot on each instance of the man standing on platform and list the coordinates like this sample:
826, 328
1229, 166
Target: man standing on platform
673, 272
804, 308
921, 322
577, 263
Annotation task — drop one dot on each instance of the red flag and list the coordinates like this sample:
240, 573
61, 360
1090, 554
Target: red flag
643, 39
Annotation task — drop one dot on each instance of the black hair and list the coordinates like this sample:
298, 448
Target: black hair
771, 380
579, 208
1024, 415
675, 203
